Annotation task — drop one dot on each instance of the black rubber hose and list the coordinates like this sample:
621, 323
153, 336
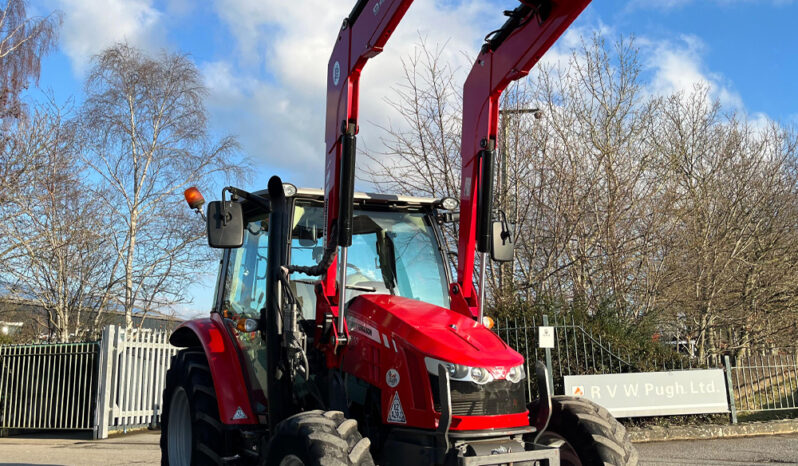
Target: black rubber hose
320, 268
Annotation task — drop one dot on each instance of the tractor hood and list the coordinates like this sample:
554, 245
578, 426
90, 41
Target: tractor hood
434, 331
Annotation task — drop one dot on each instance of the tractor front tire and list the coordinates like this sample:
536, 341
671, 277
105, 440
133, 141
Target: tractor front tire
318, 438
587, 434
191, 433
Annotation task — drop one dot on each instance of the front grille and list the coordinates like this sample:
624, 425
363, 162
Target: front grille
490, 399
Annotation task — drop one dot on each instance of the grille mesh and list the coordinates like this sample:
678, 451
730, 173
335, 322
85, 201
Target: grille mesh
471, 399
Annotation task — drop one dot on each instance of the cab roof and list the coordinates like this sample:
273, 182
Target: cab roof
316, 193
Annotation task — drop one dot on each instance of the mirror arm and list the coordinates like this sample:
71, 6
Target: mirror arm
447, 217
236, 192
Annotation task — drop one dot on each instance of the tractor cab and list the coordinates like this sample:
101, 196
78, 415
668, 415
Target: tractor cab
397, 249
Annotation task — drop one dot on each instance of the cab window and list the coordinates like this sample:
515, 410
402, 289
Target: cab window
392, 253
245, 296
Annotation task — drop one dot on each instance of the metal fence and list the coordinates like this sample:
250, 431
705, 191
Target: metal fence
757, 382
576, 350
766, 381
133, 367
49, 386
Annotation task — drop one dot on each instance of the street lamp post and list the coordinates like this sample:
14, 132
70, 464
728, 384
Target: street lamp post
503, 188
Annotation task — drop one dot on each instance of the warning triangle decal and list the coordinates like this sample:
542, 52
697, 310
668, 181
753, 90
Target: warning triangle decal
396, 414
239, 414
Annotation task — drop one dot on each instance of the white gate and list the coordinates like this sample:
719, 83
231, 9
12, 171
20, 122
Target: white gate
132, 374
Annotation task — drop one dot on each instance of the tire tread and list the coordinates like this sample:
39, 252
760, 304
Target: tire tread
189, 369
322, 438
594, 433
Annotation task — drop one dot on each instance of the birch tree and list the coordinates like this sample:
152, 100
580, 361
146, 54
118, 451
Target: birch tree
148, 140
23, 43
61, 261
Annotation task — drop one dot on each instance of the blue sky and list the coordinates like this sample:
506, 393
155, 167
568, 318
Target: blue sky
264, 61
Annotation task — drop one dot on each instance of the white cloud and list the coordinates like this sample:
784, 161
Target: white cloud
678, 66
90, 26
287, 108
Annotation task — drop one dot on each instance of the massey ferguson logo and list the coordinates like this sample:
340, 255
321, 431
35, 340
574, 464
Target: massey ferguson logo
336, 73
499, 373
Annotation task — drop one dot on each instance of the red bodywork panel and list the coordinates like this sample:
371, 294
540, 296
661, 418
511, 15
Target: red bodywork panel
491, 74
226, 369
390, 333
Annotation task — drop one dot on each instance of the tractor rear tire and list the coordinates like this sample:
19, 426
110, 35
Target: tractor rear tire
587, 434
318, 438
191, 432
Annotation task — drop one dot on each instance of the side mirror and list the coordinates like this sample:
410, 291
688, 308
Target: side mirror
308, 235
501, 248
225, 224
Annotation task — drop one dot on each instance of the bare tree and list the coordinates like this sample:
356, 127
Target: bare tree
662, 212
148, 140
587, 195
23, 43
422, 150
61, 261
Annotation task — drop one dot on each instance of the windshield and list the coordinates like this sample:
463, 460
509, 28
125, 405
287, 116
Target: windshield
392, 253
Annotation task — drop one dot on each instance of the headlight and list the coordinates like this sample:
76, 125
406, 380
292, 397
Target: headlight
480, 375
289, 189
459, 372
456, 371
516, 374
449, 203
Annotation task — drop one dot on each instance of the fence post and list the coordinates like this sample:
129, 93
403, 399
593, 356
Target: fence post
730, 389
548, 357
102, 409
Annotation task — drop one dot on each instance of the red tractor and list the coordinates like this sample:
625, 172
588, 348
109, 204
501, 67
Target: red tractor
338, 335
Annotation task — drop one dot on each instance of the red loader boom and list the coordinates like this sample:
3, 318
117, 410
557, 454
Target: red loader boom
508, 55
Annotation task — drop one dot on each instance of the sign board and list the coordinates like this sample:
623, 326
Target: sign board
654, 393
545, 337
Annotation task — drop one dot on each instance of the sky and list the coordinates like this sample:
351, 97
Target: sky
264, 61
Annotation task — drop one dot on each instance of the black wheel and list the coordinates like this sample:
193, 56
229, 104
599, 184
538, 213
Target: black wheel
587, 434
316, 438
191, 433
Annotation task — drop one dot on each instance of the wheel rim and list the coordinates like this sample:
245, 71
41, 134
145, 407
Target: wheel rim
179, 429
292, 460
568, 455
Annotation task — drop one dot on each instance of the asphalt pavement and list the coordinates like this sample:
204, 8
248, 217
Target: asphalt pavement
142, 448
760, 450
79, 449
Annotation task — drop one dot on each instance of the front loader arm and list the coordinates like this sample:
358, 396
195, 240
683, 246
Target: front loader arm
508, 54
362, 36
